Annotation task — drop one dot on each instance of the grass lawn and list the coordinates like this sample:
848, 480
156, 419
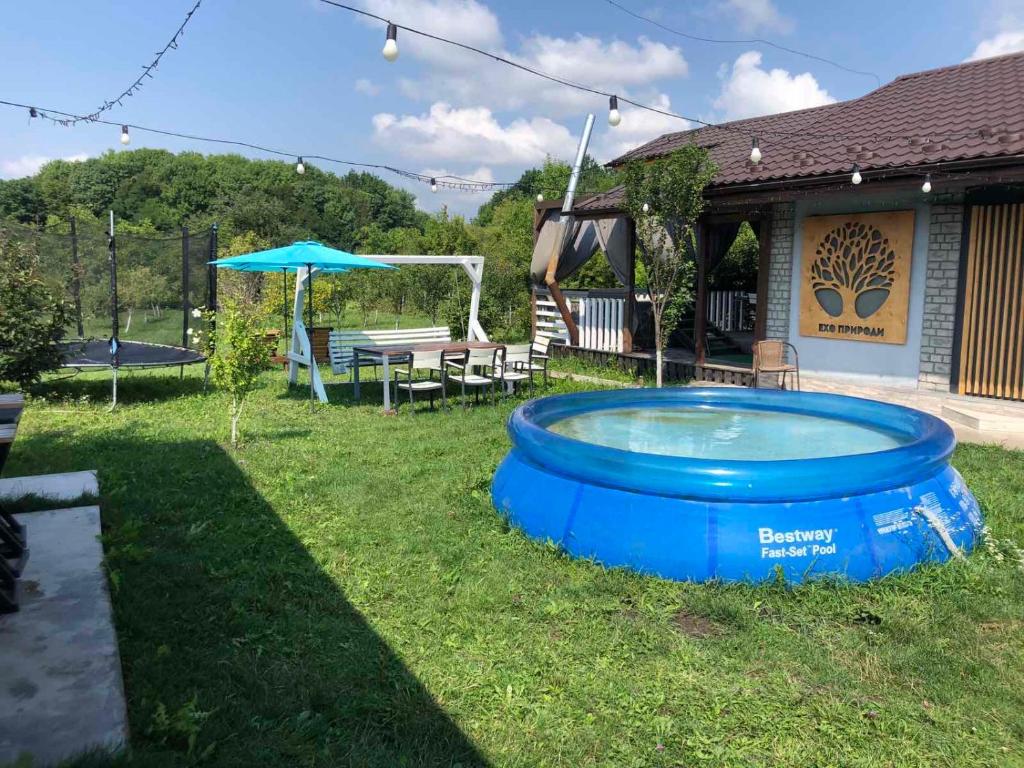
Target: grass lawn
341, 592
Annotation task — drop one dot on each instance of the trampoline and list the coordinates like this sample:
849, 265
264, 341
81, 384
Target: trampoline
124, 287
86, 354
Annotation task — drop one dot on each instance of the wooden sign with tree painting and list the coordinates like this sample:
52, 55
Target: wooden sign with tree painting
855, 279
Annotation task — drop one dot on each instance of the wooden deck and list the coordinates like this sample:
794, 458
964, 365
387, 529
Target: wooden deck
679, 364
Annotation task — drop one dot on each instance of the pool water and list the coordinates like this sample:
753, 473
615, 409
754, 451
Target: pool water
726, 434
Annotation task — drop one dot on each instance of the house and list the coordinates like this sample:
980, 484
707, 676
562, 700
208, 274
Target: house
912, 277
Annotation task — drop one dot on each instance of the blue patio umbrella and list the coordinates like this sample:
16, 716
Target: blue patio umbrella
302, 254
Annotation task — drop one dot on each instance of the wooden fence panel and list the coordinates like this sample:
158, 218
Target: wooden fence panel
992, 319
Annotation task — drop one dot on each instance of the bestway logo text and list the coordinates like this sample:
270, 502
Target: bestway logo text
801, 543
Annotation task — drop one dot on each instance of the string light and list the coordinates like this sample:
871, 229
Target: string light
300, 167
979, 132
645, 208
755, 151
147, 73
749, 41
614, 116
856, 177
927, 186
125, 138
540, 197
433, 184
390, 50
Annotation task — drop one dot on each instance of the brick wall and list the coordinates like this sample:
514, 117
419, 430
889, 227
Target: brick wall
944, 236
780, 271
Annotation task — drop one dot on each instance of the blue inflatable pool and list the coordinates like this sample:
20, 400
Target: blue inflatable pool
736, 484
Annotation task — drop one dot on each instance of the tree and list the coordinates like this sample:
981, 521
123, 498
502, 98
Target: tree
665, 198
32, 319
738, 270
237, 352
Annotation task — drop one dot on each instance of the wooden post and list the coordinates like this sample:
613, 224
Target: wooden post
764, 257
701, 306
629, 310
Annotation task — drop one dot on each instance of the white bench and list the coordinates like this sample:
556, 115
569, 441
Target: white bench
340, 343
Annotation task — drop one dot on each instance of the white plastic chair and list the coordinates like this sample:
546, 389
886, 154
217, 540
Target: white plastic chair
464, 372
431, 362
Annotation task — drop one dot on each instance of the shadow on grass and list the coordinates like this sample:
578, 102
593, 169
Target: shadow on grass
229, 626
142, 386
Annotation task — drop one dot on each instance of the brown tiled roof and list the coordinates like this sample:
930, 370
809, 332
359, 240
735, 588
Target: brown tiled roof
968, 111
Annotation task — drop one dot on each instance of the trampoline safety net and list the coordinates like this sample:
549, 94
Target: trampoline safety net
159, 279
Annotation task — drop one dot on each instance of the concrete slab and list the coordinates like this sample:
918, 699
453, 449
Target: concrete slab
983, 419
60, 687
66, 486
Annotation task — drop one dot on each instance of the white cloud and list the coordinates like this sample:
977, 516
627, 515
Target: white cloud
467, 21
638, 126
471, 134
749, 90
461, 77
998, 45
29, 165
367, 87
460, 202
754, 16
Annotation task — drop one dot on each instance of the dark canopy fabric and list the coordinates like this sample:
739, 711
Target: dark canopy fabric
580, 240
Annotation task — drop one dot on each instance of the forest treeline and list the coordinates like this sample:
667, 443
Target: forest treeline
264, 203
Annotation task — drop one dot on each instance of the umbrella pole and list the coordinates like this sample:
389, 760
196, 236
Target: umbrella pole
284, 305
309, 335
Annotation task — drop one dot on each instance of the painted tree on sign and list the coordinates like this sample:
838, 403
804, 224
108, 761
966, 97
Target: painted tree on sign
665, 198
854, 266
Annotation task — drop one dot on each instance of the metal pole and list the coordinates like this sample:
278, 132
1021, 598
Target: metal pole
114, 362
186, 305
76, 278
577, 167
309, 334
284, 303
211, 301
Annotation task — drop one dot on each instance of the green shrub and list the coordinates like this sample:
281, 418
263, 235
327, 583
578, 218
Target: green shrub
32, 319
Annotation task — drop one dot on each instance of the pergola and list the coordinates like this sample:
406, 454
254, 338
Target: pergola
600, 223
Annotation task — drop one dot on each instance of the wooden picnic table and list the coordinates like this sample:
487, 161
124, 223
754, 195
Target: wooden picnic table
384, 356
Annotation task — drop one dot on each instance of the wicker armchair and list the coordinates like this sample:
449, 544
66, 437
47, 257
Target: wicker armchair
770, 357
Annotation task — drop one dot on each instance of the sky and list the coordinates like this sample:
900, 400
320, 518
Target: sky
307, 78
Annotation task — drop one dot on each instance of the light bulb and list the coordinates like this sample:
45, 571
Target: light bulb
540, 197
300, 167
614, 117
433, 185
927, 186
645, 208
755, 152
391, 44
856, 178
125, 138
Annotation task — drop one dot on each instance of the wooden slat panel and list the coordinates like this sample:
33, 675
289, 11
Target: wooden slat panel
1016, 336
992, 332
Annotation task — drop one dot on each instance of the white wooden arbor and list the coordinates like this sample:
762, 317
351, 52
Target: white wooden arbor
300, 352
